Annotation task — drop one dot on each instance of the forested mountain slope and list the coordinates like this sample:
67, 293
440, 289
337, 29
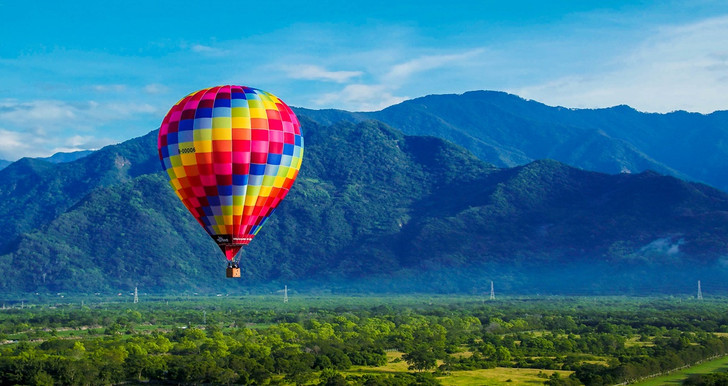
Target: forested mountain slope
373, 209
507, 131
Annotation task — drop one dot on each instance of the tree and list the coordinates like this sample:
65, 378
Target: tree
420, 358
42, 378
502, 354
330, 377
556, 380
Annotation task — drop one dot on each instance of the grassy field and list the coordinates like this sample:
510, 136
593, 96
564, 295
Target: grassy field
496, 376
395, 364
635, 341
500, 376
677, 377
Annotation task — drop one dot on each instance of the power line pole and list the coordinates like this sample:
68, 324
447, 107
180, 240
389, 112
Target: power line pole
136, 295
285, 294
700, 293
492, 292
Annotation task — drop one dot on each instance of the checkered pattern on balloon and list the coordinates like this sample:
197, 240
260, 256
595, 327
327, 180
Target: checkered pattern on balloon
231, 154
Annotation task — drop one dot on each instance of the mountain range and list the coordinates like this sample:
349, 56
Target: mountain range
56, 158
508, 131
373, 209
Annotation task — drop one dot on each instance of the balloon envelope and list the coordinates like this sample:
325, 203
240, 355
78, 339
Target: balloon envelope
232, 154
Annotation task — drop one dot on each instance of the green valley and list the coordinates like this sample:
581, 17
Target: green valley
355, 340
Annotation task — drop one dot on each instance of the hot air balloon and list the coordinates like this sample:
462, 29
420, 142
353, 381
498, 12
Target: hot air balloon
231, 154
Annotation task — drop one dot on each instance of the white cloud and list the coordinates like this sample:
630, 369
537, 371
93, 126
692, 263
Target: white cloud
109, 87
43, 127
389, 79
32, 143
61, 114
11, 142
208, 50
361, 97
155, 88
313, 72
24, 113
402, 71
679, 67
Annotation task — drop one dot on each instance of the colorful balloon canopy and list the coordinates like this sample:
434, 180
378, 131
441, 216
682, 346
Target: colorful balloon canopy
232, 154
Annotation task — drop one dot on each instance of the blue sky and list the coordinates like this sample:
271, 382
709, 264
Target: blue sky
83, 74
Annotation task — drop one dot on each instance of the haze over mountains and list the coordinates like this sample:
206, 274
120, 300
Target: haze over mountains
377, 210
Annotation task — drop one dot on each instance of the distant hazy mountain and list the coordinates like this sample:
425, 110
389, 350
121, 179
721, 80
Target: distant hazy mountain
62, 157
373, 209
507, 131
56, 158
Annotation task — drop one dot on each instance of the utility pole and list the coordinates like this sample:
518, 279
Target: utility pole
285, 294
700, 293
136, 295
492, 292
